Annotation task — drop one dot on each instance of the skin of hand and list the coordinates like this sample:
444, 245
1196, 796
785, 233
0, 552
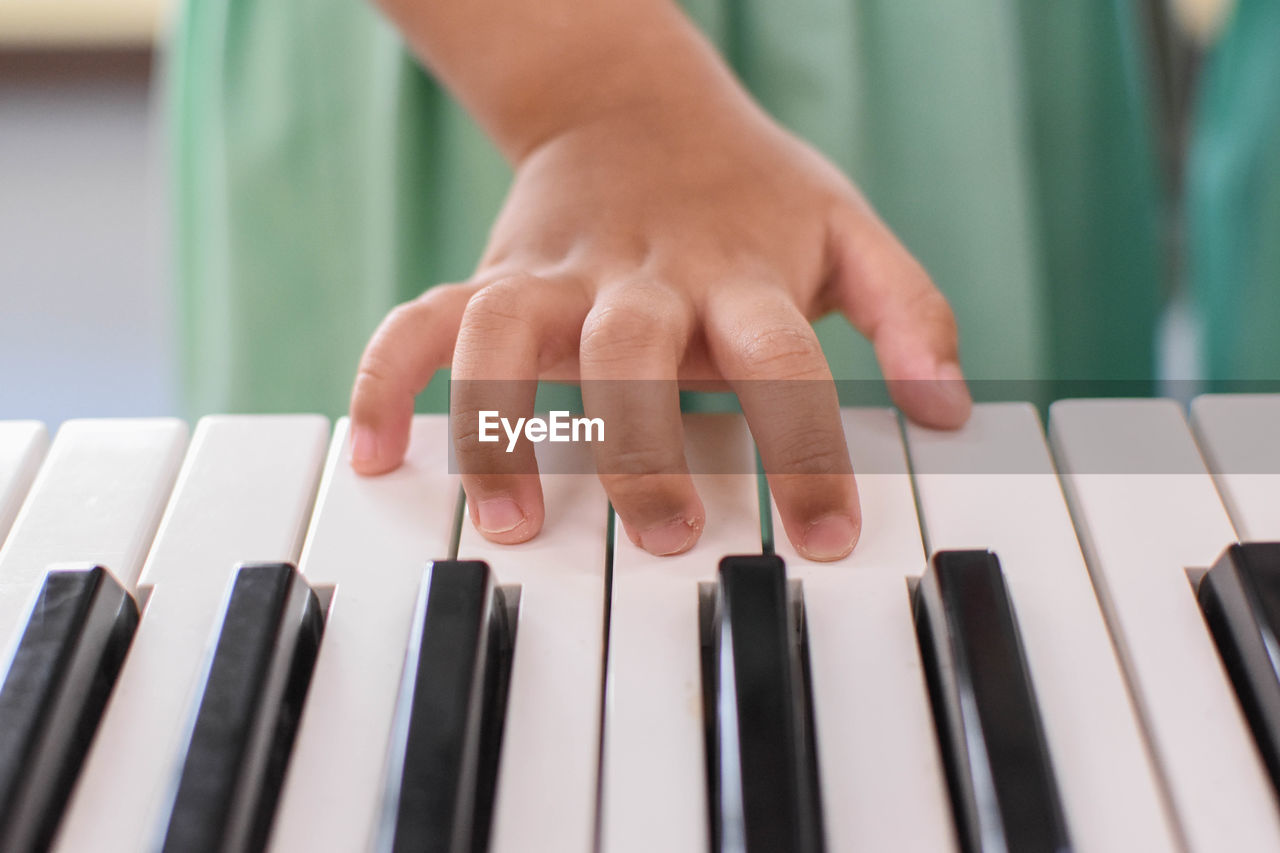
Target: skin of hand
674, 232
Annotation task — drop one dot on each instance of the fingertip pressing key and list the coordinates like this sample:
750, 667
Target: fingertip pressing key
364, 449
376, 451
953, 392
831, 537
671, 537
496, 516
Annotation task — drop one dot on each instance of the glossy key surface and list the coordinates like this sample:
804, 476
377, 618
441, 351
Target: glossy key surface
248, 714
1240, 597
761, 769
447, 732
1002, 782
58, 682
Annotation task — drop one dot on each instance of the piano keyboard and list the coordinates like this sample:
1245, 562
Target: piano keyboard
228, 641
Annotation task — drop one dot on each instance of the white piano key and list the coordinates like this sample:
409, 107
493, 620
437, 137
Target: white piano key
244, 494
1147, 511
992, 485
1239, 435
22, 446
654, 792
882, 781
548, 773
369, 541
96, 499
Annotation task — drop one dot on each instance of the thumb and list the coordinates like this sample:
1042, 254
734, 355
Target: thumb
887, 296
413, 341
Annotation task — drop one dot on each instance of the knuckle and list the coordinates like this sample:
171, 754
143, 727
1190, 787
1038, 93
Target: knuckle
784, 349
376, 394
423, 305
438, 297
933, 310
375, 373
403, 314
397, 325
406, 316
649, 495
466, 440
807, 451
477, 458
643, 319
640, 460
932, 305
501, 304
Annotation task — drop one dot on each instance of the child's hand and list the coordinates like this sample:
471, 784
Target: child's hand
691, 243
665, 228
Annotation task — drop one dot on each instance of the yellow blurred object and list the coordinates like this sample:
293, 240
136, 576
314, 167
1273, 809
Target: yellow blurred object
81, 23
1202, 20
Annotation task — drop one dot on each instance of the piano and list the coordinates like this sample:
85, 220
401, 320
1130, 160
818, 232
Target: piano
223, 639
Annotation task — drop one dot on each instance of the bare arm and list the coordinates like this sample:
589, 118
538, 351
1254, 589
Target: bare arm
529, 70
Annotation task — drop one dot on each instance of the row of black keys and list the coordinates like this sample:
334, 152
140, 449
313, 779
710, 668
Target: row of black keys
761, 756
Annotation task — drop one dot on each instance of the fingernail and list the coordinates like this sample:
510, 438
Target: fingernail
951, 378
673, 537
498, 515
830, 538
364, 445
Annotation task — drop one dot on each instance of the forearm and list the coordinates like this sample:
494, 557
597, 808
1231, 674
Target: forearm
529, 69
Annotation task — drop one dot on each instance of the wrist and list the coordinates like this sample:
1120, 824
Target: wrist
644, 63
529, 72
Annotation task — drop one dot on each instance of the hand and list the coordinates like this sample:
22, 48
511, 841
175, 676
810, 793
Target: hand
688, 239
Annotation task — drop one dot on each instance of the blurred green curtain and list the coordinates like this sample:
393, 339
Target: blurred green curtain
322, 177
1233, 199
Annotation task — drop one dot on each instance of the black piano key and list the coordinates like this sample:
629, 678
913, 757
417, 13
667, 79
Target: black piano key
760, 757
248, 713
1003, 791
58, 683
448, 728
1240, 597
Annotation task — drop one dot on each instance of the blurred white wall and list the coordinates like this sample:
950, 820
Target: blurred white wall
84, 318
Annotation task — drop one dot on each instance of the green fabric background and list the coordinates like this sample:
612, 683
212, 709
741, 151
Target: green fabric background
322, 177
1233, 199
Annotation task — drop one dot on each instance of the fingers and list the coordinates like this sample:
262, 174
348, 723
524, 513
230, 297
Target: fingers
772, 359
631, 346
508, 329
890, 298
412, 343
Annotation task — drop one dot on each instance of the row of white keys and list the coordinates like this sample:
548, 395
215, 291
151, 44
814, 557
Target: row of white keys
244, 493
882, 782
369, 542
22, 446
654, 792
96, 500
1238, 435
991, 485
548, 775
1147, 511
